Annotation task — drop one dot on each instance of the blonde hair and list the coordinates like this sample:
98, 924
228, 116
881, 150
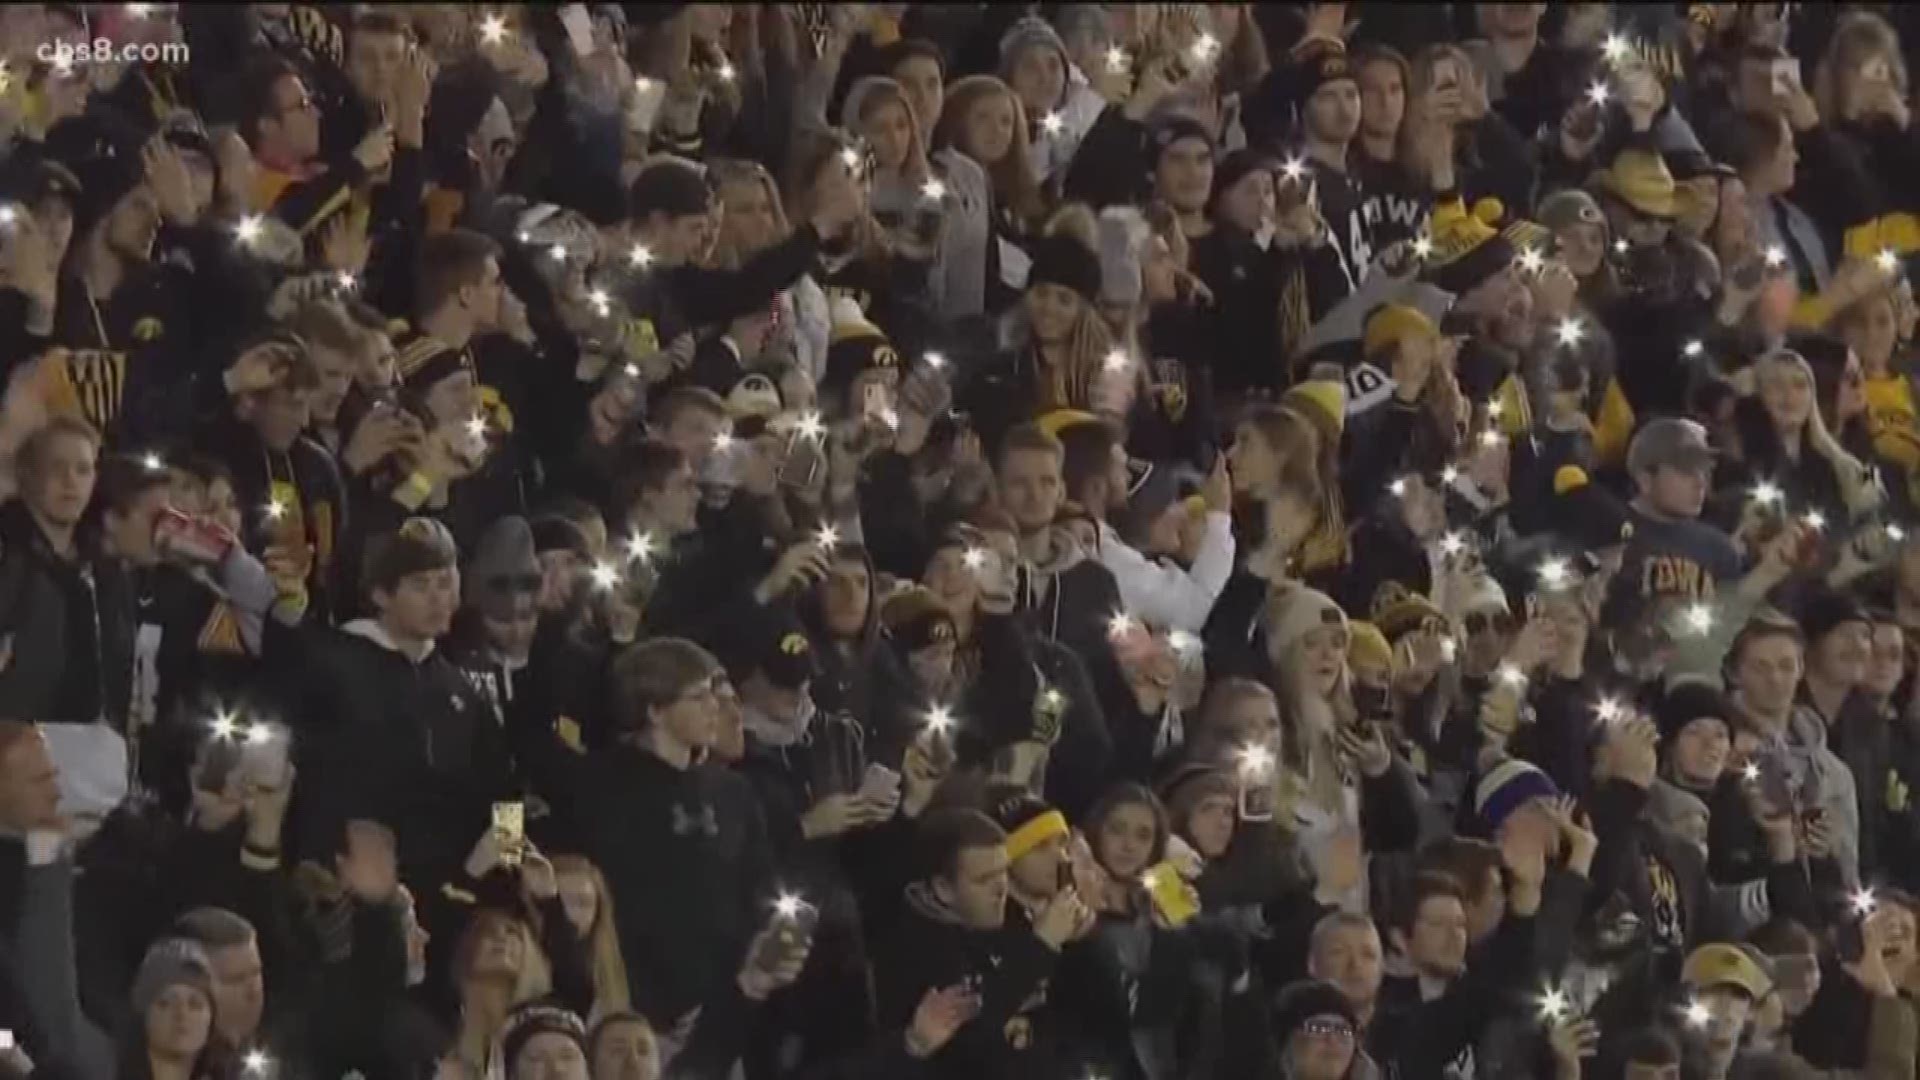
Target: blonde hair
534, 980
610, 992
1014, 184
737, 173
882, 91
1419, 74
1857, 486
1860, 36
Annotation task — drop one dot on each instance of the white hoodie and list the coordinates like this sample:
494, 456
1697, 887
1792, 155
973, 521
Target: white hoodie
1162, 594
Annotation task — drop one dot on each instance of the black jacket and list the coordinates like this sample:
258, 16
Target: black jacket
1008, 968
406, 742
70, 627
686, 858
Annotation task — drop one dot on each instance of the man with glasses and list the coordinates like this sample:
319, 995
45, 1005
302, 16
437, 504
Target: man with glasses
282, 126
681, 840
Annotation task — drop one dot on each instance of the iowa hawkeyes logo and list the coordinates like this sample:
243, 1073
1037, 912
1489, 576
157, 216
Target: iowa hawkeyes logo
794, 644
1049, 705
884, 356
149, 329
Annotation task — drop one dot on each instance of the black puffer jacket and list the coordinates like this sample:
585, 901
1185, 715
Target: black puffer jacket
69, 625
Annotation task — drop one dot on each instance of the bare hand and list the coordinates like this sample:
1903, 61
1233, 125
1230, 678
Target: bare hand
1063, 919
537, 875
939, 1015
343, 243
167, 176
375, 151
1366, 747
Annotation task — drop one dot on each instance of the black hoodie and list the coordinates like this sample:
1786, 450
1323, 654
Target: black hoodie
686, 859
381, 735
69, 627
1008, 968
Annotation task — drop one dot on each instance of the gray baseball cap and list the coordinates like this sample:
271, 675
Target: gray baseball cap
1681, 444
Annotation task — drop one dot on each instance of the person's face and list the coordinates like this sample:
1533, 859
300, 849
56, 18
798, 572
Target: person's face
920, 77
29, 786
1698, 201
132, 224
1700, 751
1383, 99
1053, 310
1502, 308
1841, 655
1323, 656
375, 366
976, 890
1124, 843
292, 128
729, 732
760, 464
422, 604
374, 60
626, 1050
1510, 20
1322, 1049
1248, 204
1037, 873
502, 949
1729, 1009
692, 433
1039, 76
1582, 245
1210, 825
1333, 112
1030, 487
1850, 401
550, 1056
131, 532
282, 413
1781, 166
63, 485
845, 595
178, 1023
485, 298
749, 222
1899, 949
55, 218
512, 637
1438, 944
1487, 634
336, 378
1184, 176
888, 129
687, 238
1677, 492
1252, 462
1254, 720
1797, 979
581, 900
1873, 332
1788, 395
1159, 281
239, 992
1488, 905
1768, 673
1889, 663
1568, 617
676, 504
1349, 958
950, 579
693, 718
988, 130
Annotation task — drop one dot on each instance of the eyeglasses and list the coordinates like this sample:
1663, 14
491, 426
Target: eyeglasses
1480, 622
1327, 1028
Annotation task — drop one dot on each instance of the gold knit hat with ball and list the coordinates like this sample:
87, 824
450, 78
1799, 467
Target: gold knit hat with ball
1640, 178
1467, 247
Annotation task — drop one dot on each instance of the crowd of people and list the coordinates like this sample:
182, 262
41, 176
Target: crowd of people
873, 541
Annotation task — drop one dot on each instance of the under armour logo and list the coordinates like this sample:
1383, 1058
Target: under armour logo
704, 822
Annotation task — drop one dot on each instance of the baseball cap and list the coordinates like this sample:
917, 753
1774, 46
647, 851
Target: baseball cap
1679, 443
1719, 964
